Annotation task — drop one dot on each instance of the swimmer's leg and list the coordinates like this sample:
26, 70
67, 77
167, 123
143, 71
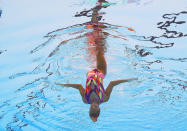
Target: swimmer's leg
101, 62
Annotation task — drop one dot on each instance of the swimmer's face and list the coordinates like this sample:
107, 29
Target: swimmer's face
94, 111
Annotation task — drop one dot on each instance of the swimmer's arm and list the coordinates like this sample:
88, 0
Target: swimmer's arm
112, 84
76, 86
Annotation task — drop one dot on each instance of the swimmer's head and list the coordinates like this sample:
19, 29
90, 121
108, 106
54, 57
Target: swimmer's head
94, 111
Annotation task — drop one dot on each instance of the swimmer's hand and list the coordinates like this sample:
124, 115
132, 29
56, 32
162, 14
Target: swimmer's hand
76, 86
115, 83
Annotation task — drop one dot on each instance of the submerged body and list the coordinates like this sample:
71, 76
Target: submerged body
94, 93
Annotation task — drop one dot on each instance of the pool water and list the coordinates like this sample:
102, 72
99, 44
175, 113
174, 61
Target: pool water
43, 42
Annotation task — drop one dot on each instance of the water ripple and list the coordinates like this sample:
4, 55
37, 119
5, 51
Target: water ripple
159, 92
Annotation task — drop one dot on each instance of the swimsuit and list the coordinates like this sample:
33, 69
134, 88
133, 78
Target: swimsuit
96, 77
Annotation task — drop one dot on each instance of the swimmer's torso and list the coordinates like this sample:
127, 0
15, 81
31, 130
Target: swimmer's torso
94, 87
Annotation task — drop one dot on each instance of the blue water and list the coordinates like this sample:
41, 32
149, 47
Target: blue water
42, 42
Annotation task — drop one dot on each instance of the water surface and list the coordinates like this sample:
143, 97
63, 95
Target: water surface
43, 42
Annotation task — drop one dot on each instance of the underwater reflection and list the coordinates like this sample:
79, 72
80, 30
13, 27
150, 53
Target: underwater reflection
37, 104
165, 68
171, 20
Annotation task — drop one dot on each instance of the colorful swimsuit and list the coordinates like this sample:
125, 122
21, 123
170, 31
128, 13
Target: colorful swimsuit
96, 77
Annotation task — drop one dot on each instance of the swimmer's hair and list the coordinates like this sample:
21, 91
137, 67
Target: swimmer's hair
94, 112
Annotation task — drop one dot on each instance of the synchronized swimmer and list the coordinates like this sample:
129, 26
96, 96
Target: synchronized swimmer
94, 93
